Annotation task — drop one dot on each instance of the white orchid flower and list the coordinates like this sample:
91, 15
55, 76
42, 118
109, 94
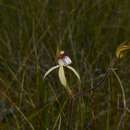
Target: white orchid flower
63, 61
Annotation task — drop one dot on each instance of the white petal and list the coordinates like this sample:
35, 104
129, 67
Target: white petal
50, 70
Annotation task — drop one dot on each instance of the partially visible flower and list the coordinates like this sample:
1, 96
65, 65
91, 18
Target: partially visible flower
63, 61
122, 49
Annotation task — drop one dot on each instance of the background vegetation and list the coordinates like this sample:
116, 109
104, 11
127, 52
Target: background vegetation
31, 31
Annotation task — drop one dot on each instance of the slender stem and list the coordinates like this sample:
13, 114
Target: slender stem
121, 86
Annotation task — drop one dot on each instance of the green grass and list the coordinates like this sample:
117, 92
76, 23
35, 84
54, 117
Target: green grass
31, 32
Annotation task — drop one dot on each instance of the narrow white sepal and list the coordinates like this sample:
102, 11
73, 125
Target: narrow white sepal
50, 70
74, 71
62, 76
